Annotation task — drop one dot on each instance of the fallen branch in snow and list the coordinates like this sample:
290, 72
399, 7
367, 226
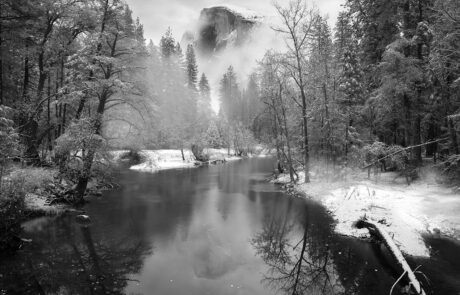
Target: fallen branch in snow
400, 151
382, 234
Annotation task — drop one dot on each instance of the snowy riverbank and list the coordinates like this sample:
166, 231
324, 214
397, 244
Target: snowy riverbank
155, 160
408, 212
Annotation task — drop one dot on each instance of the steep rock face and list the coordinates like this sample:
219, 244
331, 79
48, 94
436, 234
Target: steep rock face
223, 26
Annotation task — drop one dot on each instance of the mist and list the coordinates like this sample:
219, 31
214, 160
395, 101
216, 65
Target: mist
243, 58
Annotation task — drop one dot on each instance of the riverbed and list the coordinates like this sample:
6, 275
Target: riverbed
210, 230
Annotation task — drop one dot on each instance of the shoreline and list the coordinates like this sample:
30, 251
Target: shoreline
409, 213
36, 205
157, 160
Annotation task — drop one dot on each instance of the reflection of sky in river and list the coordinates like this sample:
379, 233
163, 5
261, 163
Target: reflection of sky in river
210, 253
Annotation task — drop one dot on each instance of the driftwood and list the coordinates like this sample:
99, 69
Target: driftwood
378, 230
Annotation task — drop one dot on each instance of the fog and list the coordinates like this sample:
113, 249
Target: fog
243, 58
183, 16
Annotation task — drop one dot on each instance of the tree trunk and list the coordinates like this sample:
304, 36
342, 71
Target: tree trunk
89, 158
29, 134
288, 139
275, 133
453, 136
63, 122
84, 176
1, 59
305, 137
347, 125
25, 83
48, 113
417, 139
328, 123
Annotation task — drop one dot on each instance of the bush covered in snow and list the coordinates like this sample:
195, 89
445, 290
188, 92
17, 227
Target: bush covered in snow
451, 168
133, 157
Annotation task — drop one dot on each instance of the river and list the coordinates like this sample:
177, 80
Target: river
211, 230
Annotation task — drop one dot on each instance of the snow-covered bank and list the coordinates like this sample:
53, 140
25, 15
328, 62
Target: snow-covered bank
164, 159
156, 160
408, 212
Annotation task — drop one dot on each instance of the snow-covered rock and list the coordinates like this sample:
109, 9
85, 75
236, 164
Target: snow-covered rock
224, 26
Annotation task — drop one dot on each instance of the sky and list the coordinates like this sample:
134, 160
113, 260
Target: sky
180, 15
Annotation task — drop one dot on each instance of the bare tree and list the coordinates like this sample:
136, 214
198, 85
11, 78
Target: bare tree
298, 20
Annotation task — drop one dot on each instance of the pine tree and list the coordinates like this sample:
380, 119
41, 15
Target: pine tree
351, 90
351, 80
251, 101
139, 31
192, 68
167, 44
204, 88
229, 95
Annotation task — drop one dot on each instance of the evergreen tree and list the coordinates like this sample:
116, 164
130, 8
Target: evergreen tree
230, 95
167, 44
351, 91
250, 105
204, 88
192, 68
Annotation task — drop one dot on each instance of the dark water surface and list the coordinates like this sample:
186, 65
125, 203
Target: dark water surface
211, 230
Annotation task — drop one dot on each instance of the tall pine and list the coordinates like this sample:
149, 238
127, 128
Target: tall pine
192, 68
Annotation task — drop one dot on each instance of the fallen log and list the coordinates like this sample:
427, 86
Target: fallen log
379, 231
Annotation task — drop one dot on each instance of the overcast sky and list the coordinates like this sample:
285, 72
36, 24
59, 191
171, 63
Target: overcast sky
180, 15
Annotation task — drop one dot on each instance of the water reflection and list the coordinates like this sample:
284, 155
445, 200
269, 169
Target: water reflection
297, 266
65, 259
214, 230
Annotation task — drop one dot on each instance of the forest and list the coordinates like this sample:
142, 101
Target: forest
380, 89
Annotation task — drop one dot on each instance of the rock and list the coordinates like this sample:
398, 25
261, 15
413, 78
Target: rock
83, 219
221, 27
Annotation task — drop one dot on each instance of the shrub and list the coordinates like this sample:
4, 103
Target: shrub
198, 153
133, 157
451, 168
11, 213
29, 179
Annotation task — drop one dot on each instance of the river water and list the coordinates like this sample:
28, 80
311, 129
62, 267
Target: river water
211, 230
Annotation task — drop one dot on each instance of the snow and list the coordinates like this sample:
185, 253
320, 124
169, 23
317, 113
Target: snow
407, 212
165, 159
172, 159
396, 207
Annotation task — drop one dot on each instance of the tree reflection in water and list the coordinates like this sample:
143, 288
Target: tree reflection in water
297, 267
67, 260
